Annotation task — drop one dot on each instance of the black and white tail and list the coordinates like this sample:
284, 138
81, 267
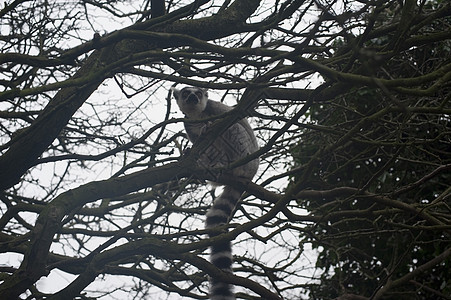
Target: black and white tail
221, 252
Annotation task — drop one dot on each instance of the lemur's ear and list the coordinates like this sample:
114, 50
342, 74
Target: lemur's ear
175, 92
205, 92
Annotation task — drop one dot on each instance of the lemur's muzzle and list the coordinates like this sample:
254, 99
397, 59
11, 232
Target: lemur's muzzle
192, 99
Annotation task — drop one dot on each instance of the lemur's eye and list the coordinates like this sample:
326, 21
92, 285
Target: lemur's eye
199, 94
185, 94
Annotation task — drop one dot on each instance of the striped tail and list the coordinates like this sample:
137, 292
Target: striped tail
221, 252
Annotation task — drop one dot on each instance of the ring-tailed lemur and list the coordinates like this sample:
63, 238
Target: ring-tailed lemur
233, 144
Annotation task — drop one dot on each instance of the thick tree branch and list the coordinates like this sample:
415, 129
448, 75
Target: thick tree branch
49, 220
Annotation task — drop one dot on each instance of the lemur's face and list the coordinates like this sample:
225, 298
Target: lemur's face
191, 100
191, 95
